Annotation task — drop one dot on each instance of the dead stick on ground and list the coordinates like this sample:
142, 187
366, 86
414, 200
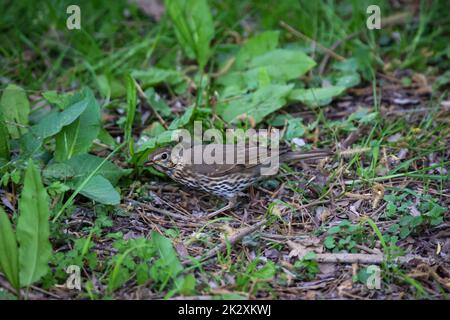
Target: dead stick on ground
232, 240
349, 258
241, 234
363, 258
161, 211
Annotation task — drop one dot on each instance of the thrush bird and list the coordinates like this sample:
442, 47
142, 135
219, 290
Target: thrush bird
233, 169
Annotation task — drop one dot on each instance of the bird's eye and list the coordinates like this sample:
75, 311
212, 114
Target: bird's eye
164, 156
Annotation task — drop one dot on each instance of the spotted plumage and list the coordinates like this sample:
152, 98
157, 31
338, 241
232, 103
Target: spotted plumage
221, 179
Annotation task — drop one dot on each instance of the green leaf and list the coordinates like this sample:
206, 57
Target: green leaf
77, 137
157, 102
15, 108
33, 228
131, 112
167, 253
279, 65
329, 242
193, 27
284, 64
256, 105
105, 137
9, 256
316, 96
151, 143
295, 129
54, 98
186, 285
256, 46
266, 272
183, 120
53, 122
4, 140
80, 166
100, 189
153, 76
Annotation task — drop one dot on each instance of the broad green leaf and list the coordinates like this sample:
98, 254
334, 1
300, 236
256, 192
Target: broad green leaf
52, 123
131, 112
316, 96
4, 140
77, 137
100, 189
15, 108
55, 121
193, 27
105, 137
279, 65
255, 105
284, 64
33, 228
167, 253
80, 166
9, 255
153, 76
256, 46
59, 171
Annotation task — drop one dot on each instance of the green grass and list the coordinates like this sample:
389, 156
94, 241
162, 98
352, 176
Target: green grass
183, 72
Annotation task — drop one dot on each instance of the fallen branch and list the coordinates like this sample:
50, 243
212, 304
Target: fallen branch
364, 258
232, 240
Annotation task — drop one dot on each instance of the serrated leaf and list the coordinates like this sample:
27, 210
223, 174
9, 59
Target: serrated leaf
256, 105
193, 27
77, 137
33, 229
15, 108
9, 254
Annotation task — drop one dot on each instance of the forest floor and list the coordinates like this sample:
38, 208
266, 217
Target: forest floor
370, 222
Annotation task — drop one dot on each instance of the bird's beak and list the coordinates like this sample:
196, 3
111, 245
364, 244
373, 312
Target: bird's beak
148, 163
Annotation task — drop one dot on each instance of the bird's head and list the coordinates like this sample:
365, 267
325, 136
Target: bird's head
162, 160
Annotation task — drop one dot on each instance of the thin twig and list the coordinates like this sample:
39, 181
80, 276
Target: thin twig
306, 38
232, 240
143, 98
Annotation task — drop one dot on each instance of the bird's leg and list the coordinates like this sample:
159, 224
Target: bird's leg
231, 204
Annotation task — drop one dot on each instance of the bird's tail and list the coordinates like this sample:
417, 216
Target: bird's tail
305, 155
